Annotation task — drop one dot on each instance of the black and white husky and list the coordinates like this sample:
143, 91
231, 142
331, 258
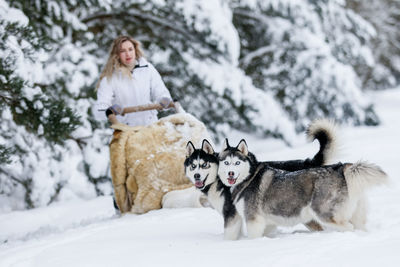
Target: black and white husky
201, 167
266, 197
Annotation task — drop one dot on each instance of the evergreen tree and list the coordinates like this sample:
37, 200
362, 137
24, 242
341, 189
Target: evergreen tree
384, 15
171, 41
37, 118
265, 67
305, 52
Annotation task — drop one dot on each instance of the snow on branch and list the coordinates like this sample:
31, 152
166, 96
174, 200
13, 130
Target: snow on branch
248, 58
134, 13
250, 15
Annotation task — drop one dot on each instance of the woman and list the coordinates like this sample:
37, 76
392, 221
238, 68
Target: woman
129, 80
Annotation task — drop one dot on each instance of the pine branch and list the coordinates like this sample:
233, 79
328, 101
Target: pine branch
140, 15
26, 184
12, 177
80, 141
59, 186
174, 26
250, 15
6, 99
248, 58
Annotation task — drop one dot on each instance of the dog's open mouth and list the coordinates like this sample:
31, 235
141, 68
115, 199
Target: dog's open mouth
199, 183
231, 180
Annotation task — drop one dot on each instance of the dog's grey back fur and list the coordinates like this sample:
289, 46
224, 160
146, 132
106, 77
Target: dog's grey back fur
330, 195
285, 194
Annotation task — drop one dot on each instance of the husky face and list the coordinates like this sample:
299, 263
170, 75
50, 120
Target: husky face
201, 165
234, 165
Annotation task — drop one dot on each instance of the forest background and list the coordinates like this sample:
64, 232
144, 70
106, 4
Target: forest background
265, 67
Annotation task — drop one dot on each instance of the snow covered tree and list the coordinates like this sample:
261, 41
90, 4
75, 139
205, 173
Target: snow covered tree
170, 40
196, 48
305, 52
262, 67
384, 15
183, 39
26, 106
40, 123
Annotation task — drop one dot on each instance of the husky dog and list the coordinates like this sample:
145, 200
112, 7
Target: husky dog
332, 195
201, 167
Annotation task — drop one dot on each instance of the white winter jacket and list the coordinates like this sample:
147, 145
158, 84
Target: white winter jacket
145, 87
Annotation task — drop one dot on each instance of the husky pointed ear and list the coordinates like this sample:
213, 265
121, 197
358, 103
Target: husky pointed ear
242, 147
225, 145
189, 149
207, 147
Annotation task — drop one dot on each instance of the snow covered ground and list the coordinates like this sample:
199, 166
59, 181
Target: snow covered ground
88, 233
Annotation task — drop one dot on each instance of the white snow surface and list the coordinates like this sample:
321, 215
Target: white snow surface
88, 233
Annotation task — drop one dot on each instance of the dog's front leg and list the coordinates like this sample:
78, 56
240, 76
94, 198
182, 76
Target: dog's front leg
256, 226
233, 227
270, 230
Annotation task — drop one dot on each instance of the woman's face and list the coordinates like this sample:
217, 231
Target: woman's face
127, 53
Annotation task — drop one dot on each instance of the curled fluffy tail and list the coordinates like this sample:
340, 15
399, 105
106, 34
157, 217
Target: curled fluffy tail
325, 131
363, 175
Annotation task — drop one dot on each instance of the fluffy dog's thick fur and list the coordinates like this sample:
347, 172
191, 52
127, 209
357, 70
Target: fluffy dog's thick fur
331, 195
146, 162
201, 167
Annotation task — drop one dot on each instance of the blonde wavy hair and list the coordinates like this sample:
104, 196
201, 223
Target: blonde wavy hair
113, 62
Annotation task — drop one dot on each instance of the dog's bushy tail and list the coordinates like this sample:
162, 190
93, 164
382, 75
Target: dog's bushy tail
325, 131
363, 175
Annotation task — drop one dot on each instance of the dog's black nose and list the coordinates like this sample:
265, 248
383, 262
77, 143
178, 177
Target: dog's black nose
231, 173
196, 176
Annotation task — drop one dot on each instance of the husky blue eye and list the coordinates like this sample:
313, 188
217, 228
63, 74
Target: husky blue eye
237, 163
193, 166
226, 163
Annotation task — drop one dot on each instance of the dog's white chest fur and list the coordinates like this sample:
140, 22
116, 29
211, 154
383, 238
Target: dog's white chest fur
215, 198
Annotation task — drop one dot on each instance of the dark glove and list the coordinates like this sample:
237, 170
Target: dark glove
165, 102
116, 109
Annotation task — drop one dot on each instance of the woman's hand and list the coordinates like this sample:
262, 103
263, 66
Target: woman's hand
114, 109
165, 102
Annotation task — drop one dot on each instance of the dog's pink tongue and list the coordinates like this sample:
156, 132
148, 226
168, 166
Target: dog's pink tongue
198, 184
231, 180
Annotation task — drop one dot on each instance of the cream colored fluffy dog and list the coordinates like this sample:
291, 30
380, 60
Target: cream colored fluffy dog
147, 162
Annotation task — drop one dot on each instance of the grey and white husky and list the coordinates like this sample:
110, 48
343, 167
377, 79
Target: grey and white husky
266, 197
201, 167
